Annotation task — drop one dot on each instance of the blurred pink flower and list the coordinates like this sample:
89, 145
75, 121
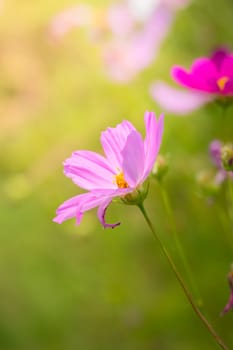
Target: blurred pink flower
215, 150
127, 163
215, 153
135, 28
126, 56
116, 19
75, 16
120, 20
208, 79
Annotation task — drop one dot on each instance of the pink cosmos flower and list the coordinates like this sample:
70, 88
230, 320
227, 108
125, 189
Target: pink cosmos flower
213, 75
208, 79
127, 163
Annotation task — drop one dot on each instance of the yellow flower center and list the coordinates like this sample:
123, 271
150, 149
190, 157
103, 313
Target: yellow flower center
120, 181
221, 82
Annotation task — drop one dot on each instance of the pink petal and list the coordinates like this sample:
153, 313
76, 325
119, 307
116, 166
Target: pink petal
178, 101
154, 132
218, 57
89, 170
117, 59
78, 205
176, 4
228, 89
215, 152
203, 72
227, 66
204, 67
158, 26
181, 76
229, 305
75, 16
113, 141
120, 19
133, 159
119, 192
73, 207
102, 211
127, 57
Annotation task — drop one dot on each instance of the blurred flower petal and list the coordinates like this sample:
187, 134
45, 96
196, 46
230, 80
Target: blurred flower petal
135, 30
126, 57
73, 17
177, 101
120, 19
215, 152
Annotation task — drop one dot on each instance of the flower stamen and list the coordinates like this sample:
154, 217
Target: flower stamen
221, 82
120, 181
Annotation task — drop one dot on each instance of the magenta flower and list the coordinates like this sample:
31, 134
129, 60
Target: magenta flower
127, 163
213, 75
208, 79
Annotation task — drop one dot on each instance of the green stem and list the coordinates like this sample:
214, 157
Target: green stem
181, 282
177, 242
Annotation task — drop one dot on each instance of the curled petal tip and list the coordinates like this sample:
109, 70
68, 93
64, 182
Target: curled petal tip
112, 226
101, 214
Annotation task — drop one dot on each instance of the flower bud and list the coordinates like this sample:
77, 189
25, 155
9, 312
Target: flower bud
229, 305
138, 196
160, 168
227, 157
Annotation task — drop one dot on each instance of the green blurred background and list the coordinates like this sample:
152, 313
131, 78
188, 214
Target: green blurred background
64, 287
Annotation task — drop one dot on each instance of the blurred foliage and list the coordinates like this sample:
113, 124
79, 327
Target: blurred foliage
68, 287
